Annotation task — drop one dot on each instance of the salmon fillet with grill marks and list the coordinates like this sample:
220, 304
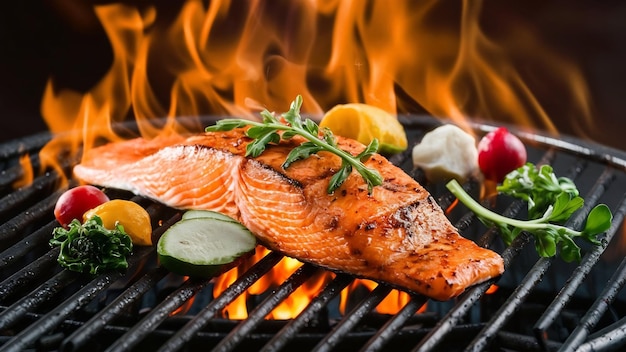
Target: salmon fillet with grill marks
398, 235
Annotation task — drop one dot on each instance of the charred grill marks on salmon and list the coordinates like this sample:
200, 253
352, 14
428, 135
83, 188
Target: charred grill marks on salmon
397, 234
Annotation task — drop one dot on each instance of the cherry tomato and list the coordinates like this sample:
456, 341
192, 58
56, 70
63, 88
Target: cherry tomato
76, 201
500, 152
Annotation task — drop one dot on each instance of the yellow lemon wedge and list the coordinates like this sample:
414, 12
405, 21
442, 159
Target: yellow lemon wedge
363, 123
132, 216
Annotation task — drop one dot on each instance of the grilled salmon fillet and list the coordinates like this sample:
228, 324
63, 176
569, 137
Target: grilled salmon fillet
397, 234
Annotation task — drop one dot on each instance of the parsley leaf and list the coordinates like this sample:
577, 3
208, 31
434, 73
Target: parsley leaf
267, 132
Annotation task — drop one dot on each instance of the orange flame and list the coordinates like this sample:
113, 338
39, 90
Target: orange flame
227, 58
492, 289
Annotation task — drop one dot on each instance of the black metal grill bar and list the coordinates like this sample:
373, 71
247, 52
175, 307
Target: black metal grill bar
92, 327
9, 176
351, 319
595, 312
11, 202
289, 331
611, 341
587, 263
47, 290
157, 315
29, 273
12, 229
378, 341
41, 294
23, 145
511, 305
240, 285
238, 334
27, 245
508, 341
27, 337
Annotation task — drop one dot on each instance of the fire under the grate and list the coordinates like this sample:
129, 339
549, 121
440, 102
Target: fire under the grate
539, 304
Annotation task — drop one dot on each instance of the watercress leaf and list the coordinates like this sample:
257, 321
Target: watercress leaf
598, 221
567, 185
507, 233
545, 242
569, 249
564, 207
303, 151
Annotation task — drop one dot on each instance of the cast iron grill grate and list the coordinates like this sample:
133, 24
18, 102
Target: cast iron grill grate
540, 304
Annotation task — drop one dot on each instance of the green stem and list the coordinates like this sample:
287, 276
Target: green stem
529, 225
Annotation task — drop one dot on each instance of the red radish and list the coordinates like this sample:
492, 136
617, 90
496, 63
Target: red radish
76, 201
500, 152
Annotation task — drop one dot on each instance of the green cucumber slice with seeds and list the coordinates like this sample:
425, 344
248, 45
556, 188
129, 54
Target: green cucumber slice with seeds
204, 247
191, 214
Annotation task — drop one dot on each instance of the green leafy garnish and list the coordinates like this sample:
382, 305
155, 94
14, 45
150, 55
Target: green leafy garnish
538, 187
556, 198
267, 132
90, 247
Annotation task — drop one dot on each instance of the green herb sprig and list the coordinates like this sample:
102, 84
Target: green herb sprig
92, 248
539, 187
267, 132
556, 197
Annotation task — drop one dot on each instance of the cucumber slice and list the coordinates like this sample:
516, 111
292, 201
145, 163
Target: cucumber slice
191, 214
204, 247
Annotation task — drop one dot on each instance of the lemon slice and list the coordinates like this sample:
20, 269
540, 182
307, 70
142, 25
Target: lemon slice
364, 123
132, 216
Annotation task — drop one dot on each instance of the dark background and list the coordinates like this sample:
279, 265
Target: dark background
63, 39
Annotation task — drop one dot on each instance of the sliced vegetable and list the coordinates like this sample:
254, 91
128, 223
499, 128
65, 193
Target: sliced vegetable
365, 123
500, 152
92, 248
191, 214
203, 247
133, 218
447, 152
73, 203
